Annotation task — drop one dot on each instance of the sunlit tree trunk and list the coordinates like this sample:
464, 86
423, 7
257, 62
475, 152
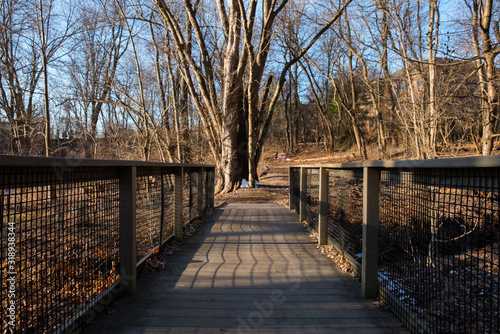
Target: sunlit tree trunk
43, 25
242, 90
432, 45
482, 19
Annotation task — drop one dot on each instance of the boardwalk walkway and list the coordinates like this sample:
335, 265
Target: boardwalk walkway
252, 270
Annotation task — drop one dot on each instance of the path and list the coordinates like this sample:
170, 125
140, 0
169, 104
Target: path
253, 270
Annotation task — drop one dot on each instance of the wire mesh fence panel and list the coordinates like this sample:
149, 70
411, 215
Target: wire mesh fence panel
60, 243
193, 196
148, 211
60, 235
345, 213
209, 183
186, 196
439, 248
312, 197
204, 187
296, 188
168, 205
308, 194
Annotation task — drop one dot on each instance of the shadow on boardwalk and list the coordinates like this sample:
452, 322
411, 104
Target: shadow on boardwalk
253, 270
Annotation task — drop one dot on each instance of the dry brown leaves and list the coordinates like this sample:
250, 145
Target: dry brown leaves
329, 251
336, 257
159, 258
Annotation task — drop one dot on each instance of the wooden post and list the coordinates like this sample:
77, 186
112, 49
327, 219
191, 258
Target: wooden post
303, 193
128, 242
200, 185
369, 279
290, 189
178, 203
323, 206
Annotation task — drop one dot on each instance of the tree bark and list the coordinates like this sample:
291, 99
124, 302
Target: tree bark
232, 95
221, 103
490, 112
432, 45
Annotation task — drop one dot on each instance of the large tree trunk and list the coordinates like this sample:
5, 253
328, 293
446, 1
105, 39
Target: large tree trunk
42, 25
229, 165
184, 154
231, 170
432, 45
358, 135
243, 145
490, 111
219, 103
491, 94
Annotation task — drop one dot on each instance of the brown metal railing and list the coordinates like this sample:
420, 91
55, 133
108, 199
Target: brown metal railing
423, 235
74, 232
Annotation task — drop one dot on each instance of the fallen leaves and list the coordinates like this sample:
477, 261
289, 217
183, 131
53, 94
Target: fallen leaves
192, 227
155, 264
158, 261
338, 258
329, 250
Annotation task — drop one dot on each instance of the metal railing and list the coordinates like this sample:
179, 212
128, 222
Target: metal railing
423, 235
75, 231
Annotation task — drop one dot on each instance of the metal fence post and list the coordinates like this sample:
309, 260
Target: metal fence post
178, 202
290, 189
303, 193
323, 206
128, 242
371, 187
200, 192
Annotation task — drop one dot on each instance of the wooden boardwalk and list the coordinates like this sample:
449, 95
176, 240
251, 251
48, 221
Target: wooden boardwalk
251, 270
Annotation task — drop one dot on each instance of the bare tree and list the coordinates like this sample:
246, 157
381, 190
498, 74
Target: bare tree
385, 93
432, 46
20, 74
201, 80
178, 95
93, 65
486, 51
138, 97
245, 56
412, 84
288, 31
52, 35
320, 94
164, 106
346, 82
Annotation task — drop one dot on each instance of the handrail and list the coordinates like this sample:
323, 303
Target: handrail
76, 230
425, 229
464, 162
22, 160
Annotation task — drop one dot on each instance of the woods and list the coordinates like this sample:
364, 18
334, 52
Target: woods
204, 81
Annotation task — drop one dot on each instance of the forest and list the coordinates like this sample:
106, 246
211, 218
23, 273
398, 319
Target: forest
215, 81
